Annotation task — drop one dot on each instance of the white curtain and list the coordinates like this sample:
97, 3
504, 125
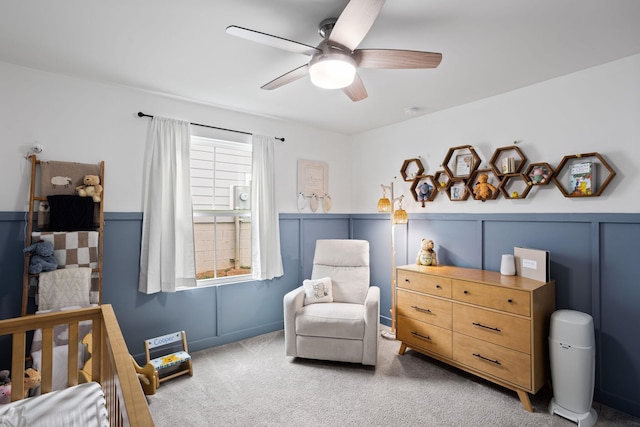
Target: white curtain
167, 258
266, 260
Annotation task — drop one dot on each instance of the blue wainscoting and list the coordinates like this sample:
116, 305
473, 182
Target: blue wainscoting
594, 260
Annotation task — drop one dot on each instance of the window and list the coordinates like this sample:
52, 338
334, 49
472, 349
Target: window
220, 185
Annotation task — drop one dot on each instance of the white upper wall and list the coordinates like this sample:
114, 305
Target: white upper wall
83, 121
595, 110
592, 110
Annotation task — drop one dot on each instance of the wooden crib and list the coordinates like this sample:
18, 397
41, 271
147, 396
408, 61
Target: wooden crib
111, 363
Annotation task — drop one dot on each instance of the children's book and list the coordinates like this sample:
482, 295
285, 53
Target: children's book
581, 179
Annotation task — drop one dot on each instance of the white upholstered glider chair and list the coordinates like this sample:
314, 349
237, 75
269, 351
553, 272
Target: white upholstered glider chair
335, 314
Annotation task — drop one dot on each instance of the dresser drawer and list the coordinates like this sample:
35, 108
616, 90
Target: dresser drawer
425, 308
415, 333
500, 298
502, 329
506, 364
420, 282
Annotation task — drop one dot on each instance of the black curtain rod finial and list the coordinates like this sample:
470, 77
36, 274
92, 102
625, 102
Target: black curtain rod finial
141, 114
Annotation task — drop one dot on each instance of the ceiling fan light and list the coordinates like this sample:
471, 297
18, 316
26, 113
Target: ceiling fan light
333, 70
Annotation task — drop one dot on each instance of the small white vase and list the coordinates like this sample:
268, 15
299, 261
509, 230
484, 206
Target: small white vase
508, 265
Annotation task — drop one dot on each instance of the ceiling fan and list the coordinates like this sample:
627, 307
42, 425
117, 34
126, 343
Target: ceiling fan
334, 61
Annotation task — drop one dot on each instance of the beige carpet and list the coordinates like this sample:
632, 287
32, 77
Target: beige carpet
252, 383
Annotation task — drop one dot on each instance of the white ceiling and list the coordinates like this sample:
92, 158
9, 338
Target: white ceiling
180, 48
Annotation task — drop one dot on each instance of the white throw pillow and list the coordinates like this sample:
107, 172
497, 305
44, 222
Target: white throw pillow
318, 290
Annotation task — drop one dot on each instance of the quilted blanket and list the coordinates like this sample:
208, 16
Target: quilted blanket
64, 287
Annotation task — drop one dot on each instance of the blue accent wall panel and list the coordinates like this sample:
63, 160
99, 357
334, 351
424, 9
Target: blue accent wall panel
11, 265
453, 237
619, 340
290, 248
570, 244
594, 260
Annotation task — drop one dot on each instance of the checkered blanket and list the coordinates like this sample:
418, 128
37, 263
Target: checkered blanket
74, 249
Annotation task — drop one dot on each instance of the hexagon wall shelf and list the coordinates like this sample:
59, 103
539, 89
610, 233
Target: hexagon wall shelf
411, 164
576, 158
457, 190
515, 186
441, 180
539, 173
423, 194
469, 167
503, 153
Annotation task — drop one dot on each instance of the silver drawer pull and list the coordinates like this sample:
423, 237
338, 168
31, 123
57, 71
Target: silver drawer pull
486, 327
424, 337
486, 358
424, 310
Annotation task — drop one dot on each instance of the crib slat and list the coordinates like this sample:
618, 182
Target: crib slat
17, 365
96, 356
46, 384
72, 359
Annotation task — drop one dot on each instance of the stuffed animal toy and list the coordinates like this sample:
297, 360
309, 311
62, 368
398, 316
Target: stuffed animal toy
31, 381
5, 394
5, 377
424, 191
91, 188
42, 258
539, 175
426, 254
483, 189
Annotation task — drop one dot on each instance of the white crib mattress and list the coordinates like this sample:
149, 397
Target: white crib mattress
82, 405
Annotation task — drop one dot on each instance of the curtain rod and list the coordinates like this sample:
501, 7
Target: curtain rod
141, 114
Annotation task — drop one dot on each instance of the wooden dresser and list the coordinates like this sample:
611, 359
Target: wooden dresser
490, 325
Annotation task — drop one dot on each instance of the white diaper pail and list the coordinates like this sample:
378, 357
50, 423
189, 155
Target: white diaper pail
573, 361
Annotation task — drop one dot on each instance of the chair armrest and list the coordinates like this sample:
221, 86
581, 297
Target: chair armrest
371, 326
372, 305
293, 301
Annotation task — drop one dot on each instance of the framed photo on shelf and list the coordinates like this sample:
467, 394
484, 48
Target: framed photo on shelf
464, 162
458, 192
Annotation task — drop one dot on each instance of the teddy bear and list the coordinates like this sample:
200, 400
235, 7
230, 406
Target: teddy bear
483, 189
31, 380
426, 254
424, 191
90, 187
42, 257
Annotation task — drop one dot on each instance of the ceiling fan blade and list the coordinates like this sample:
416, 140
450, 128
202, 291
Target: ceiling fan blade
287, 78
394, 58
354, 22
356, 90
273, 41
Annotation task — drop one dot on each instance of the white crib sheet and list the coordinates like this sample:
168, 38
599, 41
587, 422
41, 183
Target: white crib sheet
78, 406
